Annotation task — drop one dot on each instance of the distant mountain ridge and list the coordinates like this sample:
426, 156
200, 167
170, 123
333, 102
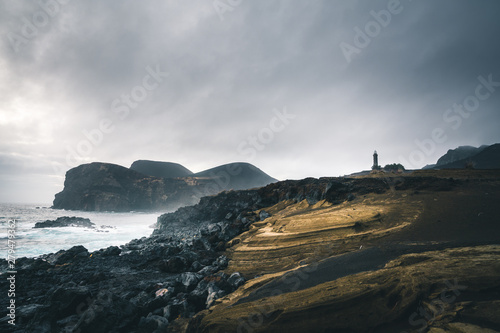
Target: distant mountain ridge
235, 176
160, 169
110, 187
238, 176
484, 157
460, 153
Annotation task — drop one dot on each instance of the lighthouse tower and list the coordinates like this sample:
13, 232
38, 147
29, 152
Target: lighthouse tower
375, 161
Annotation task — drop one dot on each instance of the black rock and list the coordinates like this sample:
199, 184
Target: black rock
76, 253
236, 280
190, 280
152, 323
176, 264
111, 251
221, 262
195, 266
208, 270
66, 221
264, 215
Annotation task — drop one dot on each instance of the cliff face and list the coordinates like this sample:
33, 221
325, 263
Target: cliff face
487, 157
457, 154
239, 204
109, 187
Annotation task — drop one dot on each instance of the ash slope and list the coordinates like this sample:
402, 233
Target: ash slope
378, 262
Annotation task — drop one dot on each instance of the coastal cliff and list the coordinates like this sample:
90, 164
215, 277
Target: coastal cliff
110, 187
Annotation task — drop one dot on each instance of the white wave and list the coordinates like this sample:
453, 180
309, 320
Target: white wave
110, 229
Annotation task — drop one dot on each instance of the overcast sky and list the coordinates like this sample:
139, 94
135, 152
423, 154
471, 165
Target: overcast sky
298, 88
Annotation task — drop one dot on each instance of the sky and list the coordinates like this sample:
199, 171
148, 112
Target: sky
298, 88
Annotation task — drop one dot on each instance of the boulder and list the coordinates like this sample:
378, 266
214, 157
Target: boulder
236, 280
76, 253
66, 221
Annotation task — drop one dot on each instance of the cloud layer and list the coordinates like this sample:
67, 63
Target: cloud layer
78, 84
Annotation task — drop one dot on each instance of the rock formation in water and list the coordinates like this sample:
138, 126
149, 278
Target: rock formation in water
66, 221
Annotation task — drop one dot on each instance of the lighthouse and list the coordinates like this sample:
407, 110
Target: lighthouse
375, 161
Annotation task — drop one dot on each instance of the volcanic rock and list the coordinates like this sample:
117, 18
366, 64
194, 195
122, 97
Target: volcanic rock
66, 221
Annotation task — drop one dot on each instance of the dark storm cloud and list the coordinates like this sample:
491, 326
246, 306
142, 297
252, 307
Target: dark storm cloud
227, 72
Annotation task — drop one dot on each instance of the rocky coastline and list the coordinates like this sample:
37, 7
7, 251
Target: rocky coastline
194, 261
147, 283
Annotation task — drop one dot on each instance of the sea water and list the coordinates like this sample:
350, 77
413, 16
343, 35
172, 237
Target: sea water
110, 229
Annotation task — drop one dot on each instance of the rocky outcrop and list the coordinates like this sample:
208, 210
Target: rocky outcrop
146, 284
392, 259
484, 157
109, 187
139, 287
374, 261
66, 221
241, 206
457, 154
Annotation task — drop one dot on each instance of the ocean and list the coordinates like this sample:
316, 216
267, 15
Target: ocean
110, 229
